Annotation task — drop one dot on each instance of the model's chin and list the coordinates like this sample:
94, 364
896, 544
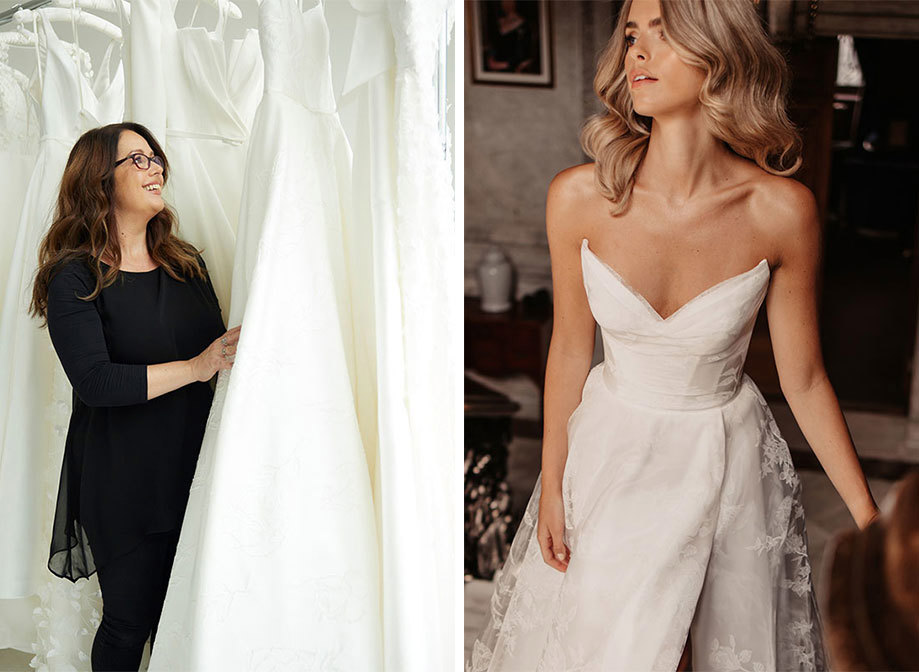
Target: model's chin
157, 205
647, 109
643, 110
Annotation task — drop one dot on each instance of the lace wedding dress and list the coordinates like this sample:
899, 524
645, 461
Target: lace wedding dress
277, 564
682, 507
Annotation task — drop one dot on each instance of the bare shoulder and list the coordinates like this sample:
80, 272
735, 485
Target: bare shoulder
789, 202
573, 184
785, 211
570, 196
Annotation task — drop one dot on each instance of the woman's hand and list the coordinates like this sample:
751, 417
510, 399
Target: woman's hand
550, 531
216, 357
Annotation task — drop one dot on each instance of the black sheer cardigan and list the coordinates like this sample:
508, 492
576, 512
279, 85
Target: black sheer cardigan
128, 462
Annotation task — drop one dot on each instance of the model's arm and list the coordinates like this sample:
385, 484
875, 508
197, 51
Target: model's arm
570, 353
77, 335
793, 326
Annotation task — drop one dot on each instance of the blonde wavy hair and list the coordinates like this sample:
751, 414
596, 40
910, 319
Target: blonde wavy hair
743, 95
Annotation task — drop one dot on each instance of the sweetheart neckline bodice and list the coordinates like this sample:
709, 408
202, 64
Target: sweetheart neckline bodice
763, 263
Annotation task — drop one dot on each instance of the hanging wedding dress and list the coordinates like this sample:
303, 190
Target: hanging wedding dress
425, 243
683, 509
384, 57
18, 148
35, 395
198, 100
277, 563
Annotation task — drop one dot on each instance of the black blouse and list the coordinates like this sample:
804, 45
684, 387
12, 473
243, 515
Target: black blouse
128, 462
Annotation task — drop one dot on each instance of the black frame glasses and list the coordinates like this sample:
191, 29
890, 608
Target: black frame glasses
142, 161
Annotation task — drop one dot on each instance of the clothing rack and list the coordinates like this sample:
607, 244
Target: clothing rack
7, 16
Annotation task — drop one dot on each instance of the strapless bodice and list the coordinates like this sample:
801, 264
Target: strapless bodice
690, 360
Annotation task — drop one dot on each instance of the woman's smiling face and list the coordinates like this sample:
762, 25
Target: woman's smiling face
136, 190
674, 85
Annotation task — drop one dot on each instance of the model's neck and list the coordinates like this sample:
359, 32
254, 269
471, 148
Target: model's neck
684, 161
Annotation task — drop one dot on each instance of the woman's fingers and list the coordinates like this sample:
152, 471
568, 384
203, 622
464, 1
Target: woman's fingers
232, 335
559, 550
547, 546
226, 355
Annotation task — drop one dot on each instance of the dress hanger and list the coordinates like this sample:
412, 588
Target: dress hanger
18, 38
110, 6
72, 16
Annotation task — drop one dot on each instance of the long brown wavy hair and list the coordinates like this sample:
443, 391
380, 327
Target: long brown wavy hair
743, 95
84, 227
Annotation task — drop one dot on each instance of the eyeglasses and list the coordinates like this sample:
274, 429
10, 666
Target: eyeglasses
142, 161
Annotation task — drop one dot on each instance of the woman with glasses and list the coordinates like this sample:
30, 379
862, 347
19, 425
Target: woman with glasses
137, 327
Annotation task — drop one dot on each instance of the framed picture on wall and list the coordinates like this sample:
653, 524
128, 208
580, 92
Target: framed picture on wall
510, 42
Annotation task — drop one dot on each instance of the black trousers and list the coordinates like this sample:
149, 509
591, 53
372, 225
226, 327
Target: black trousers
133, 590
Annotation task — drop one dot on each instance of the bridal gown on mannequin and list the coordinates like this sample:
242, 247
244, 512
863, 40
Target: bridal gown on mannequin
35, 395
277, 563
682, 507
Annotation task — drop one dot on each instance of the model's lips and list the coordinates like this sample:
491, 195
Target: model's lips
641, 82
639, 75
154, 187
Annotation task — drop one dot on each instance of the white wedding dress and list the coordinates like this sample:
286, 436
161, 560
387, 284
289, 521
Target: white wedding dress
277, 563
34, 408
18, 149
35, 398
197, 93
682, 507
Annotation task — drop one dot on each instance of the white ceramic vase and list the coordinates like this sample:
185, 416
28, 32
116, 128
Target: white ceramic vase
495, 275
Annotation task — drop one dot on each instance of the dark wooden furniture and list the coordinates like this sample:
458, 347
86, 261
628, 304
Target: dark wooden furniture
487, 502
503, 344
